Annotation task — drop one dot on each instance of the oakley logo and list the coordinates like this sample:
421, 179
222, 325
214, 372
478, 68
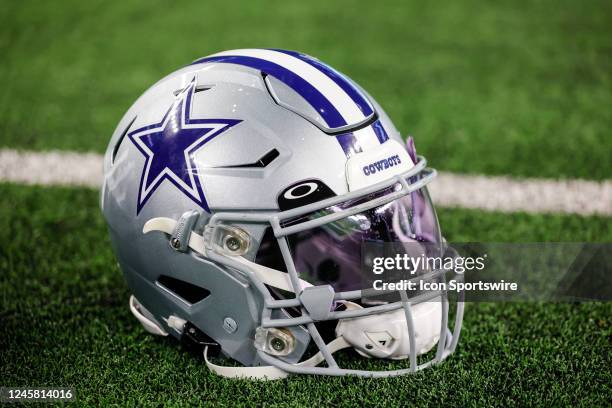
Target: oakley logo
301, 190
381, 165
302, 193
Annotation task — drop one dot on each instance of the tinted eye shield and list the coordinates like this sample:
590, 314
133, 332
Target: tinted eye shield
283, 224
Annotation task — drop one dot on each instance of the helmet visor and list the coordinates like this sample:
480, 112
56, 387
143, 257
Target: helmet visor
333, 253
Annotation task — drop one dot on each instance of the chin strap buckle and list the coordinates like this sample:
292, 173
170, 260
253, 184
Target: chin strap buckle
195, 339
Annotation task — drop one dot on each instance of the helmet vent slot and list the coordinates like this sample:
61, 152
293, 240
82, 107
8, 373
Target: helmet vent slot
261, 163
202, 88
120, 140
199, 88
187, 291
267, 158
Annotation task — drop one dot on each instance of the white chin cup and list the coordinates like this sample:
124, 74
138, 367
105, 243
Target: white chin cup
385, 335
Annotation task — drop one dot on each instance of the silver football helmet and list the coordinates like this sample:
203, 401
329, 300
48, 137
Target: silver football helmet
240, 191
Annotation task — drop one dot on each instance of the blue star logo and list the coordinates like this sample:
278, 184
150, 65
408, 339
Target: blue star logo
169, 148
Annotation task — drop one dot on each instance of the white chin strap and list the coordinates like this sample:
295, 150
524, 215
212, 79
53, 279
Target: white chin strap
271, 372
381, 336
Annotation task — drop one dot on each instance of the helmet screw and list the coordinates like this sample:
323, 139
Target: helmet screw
232, 243
175, 243
277, 344
230, 325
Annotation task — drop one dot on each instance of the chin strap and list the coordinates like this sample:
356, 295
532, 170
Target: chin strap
145, 318
197, 243
271, 372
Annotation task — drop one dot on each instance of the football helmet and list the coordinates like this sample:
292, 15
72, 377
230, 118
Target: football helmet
240, 191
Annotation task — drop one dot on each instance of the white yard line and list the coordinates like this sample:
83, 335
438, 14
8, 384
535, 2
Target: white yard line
502, 194
505, 194
51, 168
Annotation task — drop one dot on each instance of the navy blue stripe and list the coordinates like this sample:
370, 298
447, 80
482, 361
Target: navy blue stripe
348, 87
324, 107
349, 144
381, 134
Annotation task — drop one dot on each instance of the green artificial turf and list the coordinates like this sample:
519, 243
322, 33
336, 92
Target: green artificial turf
64, 321
515, 88
511, 88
